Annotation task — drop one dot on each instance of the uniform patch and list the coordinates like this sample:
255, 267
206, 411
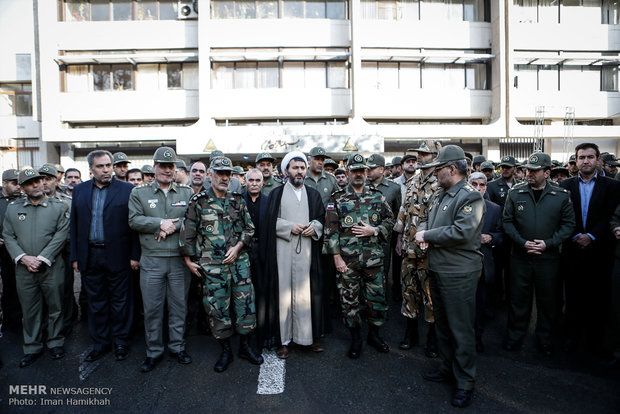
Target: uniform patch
21, 216
152, 205
348, 220
520, 207
330, 206
209, 228
444, 208
181, 203
325, 190
467, 209
374, 218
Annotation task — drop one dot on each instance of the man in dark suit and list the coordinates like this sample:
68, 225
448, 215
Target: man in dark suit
105, 250
492, 236
588, 253
257, 205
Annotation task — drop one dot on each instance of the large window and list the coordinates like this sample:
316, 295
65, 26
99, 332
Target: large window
291, 75
27, 152
609, 78
15, 99
583, 78
468, 10
283, 9
112, 77
118, 10
567, 11
611, 12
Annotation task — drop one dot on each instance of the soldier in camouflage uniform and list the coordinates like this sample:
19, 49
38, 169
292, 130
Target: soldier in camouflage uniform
357, 224
216, 235
414, 274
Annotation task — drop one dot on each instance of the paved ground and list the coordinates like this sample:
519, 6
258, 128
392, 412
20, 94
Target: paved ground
522, 382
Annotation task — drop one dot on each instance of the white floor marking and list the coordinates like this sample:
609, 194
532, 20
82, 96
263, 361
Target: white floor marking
271, 376
87, 368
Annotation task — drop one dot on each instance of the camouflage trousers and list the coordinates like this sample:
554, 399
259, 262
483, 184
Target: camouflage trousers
416, 289
226, 283
365, 284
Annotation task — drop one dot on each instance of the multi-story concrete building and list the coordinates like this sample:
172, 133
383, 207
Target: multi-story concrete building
247, 76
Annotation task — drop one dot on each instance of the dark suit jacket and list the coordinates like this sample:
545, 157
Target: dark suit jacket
261, 207
121, 243
605, 198
491, 224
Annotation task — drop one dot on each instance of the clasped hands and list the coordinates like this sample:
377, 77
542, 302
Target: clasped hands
535, 246
306, 230
166, 228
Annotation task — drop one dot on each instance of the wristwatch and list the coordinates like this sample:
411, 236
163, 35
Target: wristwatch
376, 231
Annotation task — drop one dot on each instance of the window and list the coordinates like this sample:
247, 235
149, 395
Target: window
272, 9
27, 152
288, 75
15, 99
476, 76
468, 10
538, 77
118, 10
112, 77
609, 78
611, 12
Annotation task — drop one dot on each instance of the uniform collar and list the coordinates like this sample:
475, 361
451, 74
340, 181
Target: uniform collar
42, 203
350, 190
155, 185
456, 187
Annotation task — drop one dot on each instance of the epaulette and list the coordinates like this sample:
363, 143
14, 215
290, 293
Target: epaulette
183, 186
196, 196
143, 185
469, 188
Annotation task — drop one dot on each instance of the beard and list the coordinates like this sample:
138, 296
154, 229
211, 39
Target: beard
297, 181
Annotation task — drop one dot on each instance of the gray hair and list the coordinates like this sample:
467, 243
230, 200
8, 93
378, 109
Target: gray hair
254, 171
96, 154
477, 176
461, 166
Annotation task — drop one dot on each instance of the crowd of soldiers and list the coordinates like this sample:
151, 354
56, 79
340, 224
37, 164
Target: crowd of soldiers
180, 245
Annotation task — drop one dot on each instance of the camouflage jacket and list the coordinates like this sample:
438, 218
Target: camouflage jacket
344, 210
417, 198
212, 226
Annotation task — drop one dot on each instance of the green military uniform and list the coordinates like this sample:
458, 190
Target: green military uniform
363, 255
211, 227
163, 274
38, 230
414, 271
325, 184
273, 181
453, 230
551, 219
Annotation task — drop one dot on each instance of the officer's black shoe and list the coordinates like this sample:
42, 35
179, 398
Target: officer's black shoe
545, 349
181, 356
226, 357
29, 359
149, 363
246, 351
121, 352
511, 346
95, 354
376, 341
356, 343
438, 376
411, 335
431, 342
462, 398
57, 352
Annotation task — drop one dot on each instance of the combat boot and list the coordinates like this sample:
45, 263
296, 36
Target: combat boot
376, 341
246, 351
431, 342
226, 357
411, 334
356, 343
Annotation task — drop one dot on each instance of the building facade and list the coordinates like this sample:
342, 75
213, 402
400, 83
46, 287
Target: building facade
275, 75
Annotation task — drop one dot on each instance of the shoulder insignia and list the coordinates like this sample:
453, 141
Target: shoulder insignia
330, 206
196, 196
143, 185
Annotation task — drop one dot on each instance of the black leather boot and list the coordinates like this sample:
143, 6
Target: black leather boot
246, 351
356, 343
411, 335
226, 357
376, 341
431, 342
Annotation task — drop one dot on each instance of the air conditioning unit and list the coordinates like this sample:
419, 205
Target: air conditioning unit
187, 10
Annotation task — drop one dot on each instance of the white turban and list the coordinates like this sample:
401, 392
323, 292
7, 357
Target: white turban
287, 159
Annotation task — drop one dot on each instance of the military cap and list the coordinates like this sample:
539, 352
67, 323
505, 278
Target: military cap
59, 168
408, 157
427, 147
388, 164
329, 161
508, 161
165, 154
221, 164
487, 165
447, 154
397, 160
216, 153
318, 152
238, 170
572, 158
538, 161
48, 169
610, 159
181, 164
356, 162
479, 159
264, 156
147, 169
376, 160
10, 174
27, 175
119, 157
559, 170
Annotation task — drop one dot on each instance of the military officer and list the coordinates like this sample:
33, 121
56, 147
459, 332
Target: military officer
264, 163
149, 175
330, 165
10, 304
414, 269
216, 235
50, 182
120, 164
452, 229
155, 212
35, 231
357, 223
538, 217
317, 178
